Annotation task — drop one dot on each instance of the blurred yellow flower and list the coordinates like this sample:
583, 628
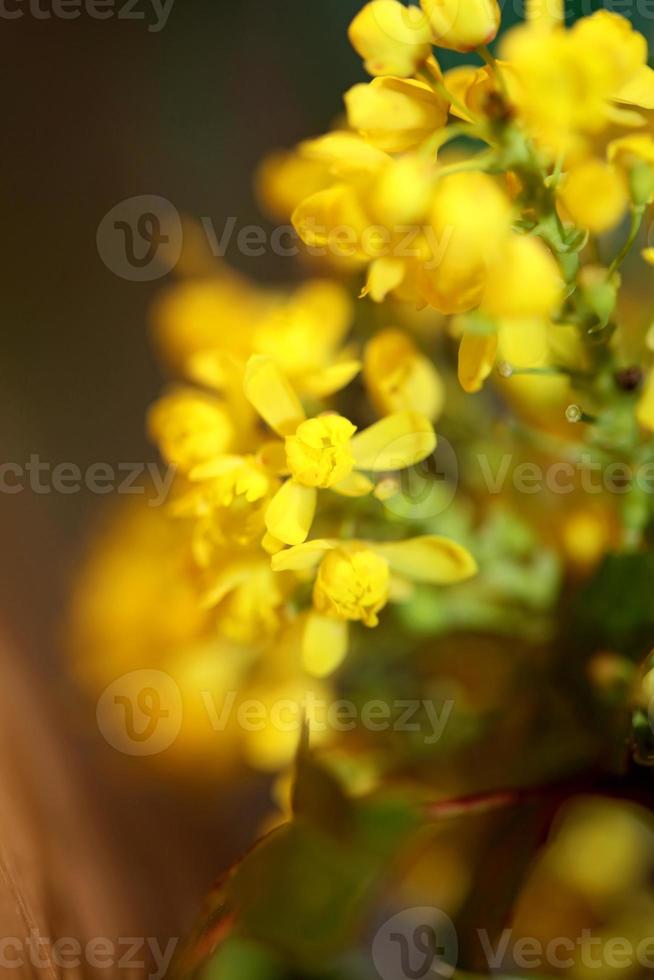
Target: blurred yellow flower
462, 26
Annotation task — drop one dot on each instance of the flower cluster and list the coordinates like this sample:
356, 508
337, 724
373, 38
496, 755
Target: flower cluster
278, 486
473, 226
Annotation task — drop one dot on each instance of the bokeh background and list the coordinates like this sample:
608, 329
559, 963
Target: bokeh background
96, 112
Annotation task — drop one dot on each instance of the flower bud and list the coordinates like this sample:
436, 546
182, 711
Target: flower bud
462, 25
391, 38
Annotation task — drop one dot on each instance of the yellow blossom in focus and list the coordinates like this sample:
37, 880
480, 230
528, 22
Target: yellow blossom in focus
354, 580
326, 451
462, 26
352, 585
398, 377
391, 38
319, 455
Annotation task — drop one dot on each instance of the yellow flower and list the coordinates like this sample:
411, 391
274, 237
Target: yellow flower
191, 427
567, 83
352, 584
319, 454
227, 502
203, 314
462, 25
395, 114
523, 288
399, 378
470, 86
470, 218
594, 195
325, 452
285, 178
354, 580
304, 333
391, 38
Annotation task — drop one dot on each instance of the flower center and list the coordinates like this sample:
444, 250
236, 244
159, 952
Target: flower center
318, 455
352, 585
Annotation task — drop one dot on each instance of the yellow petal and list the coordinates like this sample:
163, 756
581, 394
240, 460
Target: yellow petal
324, 644
346, 154
384, 275
639, 90
648, 255
398, 441
272, 395
432, 559
270, 544
398, 376
331, 379
272, 455
354, 485
391, 38
462, 26
545, 14
645, 409
290, 513
395, 114
523, 343
524, 281
594, 194
476, 359
302, 557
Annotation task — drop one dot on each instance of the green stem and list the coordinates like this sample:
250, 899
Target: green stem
637, 214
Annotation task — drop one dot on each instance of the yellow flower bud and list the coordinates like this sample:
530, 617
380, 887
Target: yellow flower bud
352, 585
594, 195
462, 25
395, 114
319, 455
399, 377
391, 38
